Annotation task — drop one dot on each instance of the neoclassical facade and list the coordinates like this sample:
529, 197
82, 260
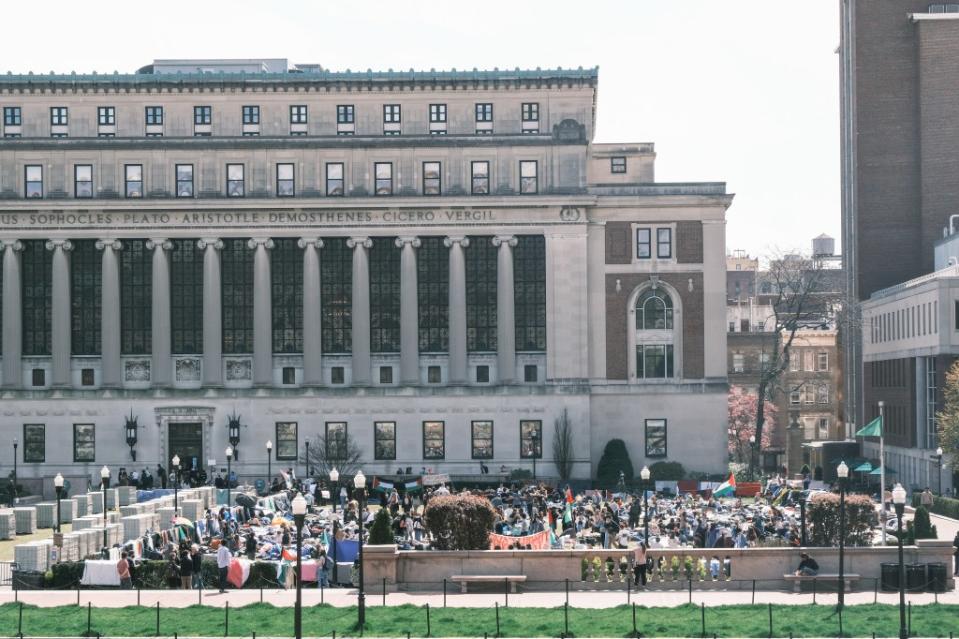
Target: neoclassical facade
439, 264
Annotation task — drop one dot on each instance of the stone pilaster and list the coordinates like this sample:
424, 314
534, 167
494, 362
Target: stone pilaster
61, 330
409, 312
505, 313
262, 312
312, 317
212, 312
12, 315
362, 374
161, 368
110, 369
457, 312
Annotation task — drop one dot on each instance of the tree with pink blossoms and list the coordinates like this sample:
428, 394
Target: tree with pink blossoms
743, 406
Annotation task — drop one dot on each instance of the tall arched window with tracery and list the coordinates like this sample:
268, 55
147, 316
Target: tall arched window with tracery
654, 335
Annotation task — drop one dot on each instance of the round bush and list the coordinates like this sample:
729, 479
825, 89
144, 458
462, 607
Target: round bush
460, 522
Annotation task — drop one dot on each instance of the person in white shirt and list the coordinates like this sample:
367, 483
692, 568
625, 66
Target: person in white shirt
223, 558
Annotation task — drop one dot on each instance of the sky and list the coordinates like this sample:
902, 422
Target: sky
741, 91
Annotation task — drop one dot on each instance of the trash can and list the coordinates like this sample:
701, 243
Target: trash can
915, 577
936, 577
27, 580
889, 577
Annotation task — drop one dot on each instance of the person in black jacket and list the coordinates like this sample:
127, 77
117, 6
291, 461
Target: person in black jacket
808, 567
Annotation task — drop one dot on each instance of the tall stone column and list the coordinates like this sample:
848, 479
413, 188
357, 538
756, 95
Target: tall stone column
409, 312
505, 313
262, 312
12, 315
110, 371
212, 312
61, 330
161, 368
457, 312
362, 375
312, 319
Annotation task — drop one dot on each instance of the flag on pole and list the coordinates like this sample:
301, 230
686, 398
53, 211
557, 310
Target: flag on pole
727, 488
569, 495
872, 429
379, 484
412, 486
568, 514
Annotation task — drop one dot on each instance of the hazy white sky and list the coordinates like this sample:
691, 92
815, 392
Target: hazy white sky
744, 91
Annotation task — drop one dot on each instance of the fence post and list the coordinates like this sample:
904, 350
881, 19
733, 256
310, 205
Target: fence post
566, 619
629, 590
428, 629
138, 596
496, 603
444, 592
384, 592
814, 590
840, 618
506, 590
875, 590
226, 619
322, 590
20, 621
635, 634
78, 594
754, 592
770, 621
158, 618
567, 591
690, 591
909, 626
261, 594
199, 595
89, 617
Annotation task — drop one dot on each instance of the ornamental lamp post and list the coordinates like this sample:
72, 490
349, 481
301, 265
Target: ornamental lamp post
131, 432
899, 503
534, 437
299, 515
58, 486
176, 483
269, 465
229, 458
752, 457
104, 482
939, 474
644, 474
359, 481
842, 472
334, 479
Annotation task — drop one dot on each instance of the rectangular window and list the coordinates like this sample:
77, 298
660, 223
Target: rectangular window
437, 113
12, 116
484, 111
794, 361
808, 361
434, 440
664, 243
738, 363
654, 361
154, 115
289, 375
384, 440
432, 180
87, 377
480, 177
655, 437
383, 172
337, 375
823, 427
481, 436
644, 249
334, 179
298, 114
184, 180
58, 116
528, 170
234, 180
202, 115
345, 114
336, 440
251, 114
434, 375
34, 443
38, 377
386, 374
84, 443
391, 113
617, 165
530, 373
83, 180
287, 444
794, 398
822, 394
106, 116
482, 374
530, 111
531, 439
822, 362
133, 180
285, 186
33, 180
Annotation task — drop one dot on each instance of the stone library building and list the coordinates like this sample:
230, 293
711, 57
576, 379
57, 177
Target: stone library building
438, 267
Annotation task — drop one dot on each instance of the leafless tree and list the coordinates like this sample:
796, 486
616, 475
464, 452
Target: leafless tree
563, 450
336, 450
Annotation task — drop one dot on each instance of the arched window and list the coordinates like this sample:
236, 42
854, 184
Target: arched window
654, 311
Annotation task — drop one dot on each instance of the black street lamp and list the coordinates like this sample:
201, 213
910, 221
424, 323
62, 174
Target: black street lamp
131, 431
899, 503
534, 437
176, 483
233, 428
752, 457
644, 474
104, 483
334, 479
939, 474
16, 491
58, 485
299, 515
229, 458
359, 481
269, 465
842, 472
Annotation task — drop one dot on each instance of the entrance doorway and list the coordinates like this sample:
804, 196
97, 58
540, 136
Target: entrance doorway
186, 440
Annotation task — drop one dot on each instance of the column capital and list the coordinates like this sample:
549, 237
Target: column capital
253, 242
14, 245
53, 245
159, 243
450, 240
412, 240
365, 242
303, 242
102, 244
215, 242
509, 240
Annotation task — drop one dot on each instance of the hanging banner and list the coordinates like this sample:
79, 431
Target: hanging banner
539, 541
435, 480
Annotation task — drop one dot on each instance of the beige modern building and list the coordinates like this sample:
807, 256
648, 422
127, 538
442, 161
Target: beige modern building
437, 263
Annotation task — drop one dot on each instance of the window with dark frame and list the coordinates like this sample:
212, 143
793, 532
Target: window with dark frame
386, 374
530, 373
334, 179
336, 297
298, 114
434, 440
337, 441
285, 183
391, 113
479, 174
656, 438
83, 180
383, 174
153, 115
481, 301
236, 295
664, 243
106, 116
617, 165
437, 113
85, 287
384, 279
251, 114
202, 115
337, 375
133, 180
12, 116
186, 299
432, 180
384, 440
33, 180
87, 377
286, 275
288, 375
345, 114
59, 116
184, 180
482, 374
528, 170
38, 377
644, 246
34, 443
287, 441
434, 375
432, 291
530, 111
235, 186
84, 443
136, 303
484, 111
531, 439
529, 292
36, 301
481, 439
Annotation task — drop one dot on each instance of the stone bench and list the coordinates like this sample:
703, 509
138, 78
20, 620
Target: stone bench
465, 579
798, 580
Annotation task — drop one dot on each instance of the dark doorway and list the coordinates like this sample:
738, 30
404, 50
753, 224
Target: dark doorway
186, 440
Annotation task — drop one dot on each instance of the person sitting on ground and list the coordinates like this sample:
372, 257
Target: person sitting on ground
808, 567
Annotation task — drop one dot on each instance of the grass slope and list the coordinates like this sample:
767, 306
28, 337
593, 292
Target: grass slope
395, 621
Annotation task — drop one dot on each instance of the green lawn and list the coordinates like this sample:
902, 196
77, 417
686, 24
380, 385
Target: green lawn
395, 621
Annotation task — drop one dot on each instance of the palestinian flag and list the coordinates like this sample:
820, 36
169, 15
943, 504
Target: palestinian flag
413, 486
568, 514
569, 495
379, 484
727, 488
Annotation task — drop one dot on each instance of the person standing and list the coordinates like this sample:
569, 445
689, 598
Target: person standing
639, 564
955, 545
197, 560
223, 559
126, 581
926, 498
186, 568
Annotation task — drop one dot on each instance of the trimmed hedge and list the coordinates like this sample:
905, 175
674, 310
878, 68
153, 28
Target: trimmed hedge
945, 506
822, 517
459, 522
